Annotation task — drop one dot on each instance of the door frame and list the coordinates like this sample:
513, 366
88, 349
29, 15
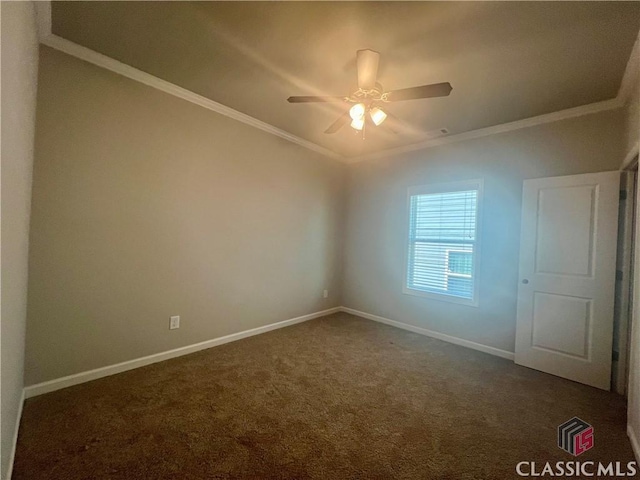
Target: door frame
624, 277
629, 264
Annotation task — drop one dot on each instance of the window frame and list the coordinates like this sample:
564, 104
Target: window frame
476, 184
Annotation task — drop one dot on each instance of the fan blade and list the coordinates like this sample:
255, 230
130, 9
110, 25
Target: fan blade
309, 99
424, 91
367, 68
338, 124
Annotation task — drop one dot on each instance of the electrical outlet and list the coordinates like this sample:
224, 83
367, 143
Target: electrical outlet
174, 323
325, 294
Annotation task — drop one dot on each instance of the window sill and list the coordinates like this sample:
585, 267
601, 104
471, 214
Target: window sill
440, 297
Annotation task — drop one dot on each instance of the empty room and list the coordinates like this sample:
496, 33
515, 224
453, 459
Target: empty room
319, 240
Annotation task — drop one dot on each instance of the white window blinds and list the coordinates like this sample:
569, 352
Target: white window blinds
443, 241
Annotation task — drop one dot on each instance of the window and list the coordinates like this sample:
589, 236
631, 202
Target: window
443, 247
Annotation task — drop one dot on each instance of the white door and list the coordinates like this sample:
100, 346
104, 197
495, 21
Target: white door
567, 276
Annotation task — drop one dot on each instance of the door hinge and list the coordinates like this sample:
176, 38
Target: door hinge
619, 275
615, 356
623, 194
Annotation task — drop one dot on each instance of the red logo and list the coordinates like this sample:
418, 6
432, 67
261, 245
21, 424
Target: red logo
575, 436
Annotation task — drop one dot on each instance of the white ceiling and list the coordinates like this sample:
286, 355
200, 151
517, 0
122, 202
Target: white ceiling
506, 61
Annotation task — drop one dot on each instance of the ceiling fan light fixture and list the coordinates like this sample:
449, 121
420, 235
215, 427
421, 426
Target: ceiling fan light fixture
358, 123
357, 112
377, 115
364, 103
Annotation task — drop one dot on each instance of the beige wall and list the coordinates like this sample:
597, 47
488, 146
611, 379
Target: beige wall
376, 219
18, 83
146, 206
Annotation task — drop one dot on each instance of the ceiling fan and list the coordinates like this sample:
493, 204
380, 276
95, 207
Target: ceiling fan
367, 101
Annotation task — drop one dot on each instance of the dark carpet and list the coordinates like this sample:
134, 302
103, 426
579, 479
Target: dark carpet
337, 397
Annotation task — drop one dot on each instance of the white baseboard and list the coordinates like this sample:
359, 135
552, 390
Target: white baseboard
59, 383
430, 333
635, 442
82, 377
14, 443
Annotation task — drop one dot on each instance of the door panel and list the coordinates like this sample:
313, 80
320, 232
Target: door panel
567, 273
565, 235
572, 335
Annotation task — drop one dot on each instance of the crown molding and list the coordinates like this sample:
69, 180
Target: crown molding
629, 80
631, 73
496, 129
125, 70
631, 159
43, 15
